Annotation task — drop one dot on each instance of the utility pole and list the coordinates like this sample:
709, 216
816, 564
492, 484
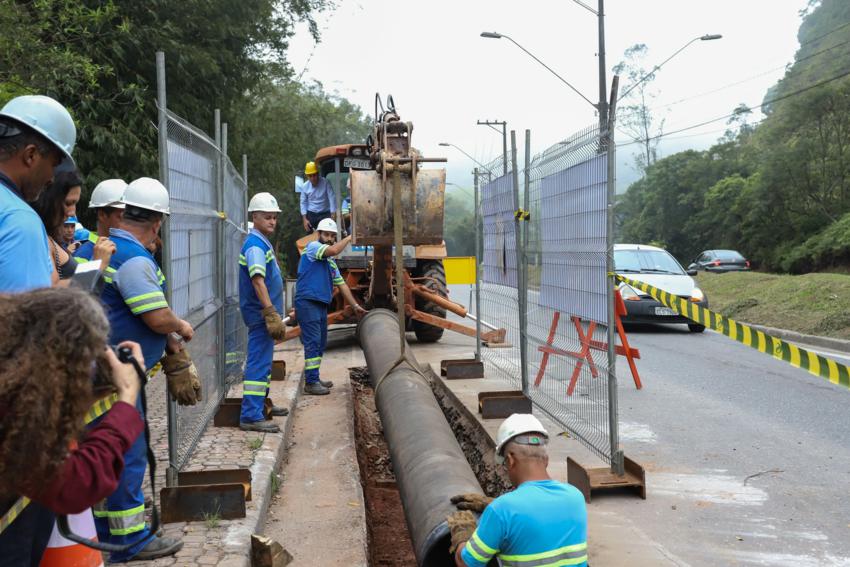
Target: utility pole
504, 125
603, 95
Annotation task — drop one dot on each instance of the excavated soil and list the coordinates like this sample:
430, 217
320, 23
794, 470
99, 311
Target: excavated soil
474, 441
389, 540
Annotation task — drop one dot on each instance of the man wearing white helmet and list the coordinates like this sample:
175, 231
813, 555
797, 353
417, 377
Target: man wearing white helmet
261, 305
106, 200
37, 135
541, 522
134, 295
317, 276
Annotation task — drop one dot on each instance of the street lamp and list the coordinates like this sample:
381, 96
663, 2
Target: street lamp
706, 37
481, 165
496, 35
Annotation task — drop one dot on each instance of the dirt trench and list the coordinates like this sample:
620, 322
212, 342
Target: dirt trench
389, 541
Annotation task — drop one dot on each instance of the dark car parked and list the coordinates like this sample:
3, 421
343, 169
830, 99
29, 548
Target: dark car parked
720, 261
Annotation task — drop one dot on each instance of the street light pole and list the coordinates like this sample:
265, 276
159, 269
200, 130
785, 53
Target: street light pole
706, 37
504, 125
481, 165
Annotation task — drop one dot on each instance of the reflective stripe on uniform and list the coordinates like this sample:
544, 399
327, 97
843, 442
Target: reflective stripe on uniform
254, 388
321, 251
100, 407
123, 522
99, 509
93, 237
13, 512
146, 302
108, 274
79, 260
568, 555
312, 363
256, 270
242, 260
480, 550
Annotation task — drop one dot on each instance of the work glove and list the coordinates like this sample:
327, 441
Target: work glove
274, 324
472, 502
462, 525
181, 376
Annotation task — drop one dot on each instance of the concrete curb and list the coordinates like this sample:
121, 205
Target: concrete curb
811, 340
237, 538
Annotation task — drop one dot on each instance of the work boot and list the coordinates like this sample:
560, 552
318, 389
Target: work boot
316, 389
326, 383
278, 411
159, 547
260, 426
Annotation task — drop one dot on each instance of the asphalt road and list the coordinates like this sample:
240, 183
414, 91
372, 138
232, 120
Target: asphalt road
747, 458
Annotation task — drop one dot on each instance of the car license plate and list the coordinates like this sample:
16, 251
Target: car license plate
664, 311
356, 163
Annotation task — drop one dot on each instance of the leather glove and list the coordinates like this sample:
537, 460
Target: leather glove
462, 525
473, 502
274, 323
181, 376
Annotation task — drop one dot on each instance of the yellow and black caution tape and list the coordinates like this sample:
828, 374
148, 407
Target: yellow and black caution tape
816, 364
522, 215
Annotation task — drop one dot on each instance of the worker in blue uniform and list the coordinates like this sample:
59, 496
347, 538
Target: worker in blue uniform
134, 295
37, 136
541, 522
317, 276
261, 304
106, 200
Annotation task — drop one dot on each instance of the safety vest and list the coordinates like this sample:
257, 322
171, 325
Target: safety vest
315, 280
249, 305
124, 324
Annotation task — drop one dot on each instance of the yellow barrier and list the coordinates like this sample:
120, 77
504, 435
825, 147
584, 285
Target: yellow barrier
813, 363
460, 269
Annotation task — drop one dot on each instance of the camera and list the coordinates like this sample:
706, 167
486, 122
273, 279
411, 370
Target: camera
102, 377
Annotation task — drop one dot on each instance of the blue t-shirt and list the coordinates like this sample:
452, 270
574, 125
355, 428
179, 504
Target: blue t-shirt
317, 275
543, 519
25, 262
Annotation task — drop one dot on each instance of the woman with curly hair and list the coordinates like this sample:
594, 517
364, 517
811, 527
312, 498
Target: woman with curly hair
52, 346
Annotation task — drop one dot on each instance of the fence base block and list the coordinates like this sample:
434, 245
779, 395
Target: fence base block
456, 369
278, 370
231, 408
225, 476
490, 344
494, 405
601, 478
202, 502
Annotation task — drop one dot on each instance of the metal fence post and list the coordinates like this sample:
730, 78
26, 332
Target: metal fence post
221, 247
523, 329
617, 466
524, 224
477, 275
162, 126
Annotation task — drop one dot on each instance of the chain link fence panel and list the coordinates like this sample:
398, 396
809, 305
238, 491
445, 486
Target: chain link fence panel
196, 277
564, 256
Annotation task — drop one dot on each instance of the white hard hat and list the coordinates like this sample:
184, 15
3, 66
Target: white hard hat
147, 193
250, 225
517, 424
47, 117
263, 203
326, 225
108, 193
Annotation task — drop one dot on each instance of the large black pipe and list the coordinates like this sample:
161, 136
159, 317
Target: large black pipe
429, 465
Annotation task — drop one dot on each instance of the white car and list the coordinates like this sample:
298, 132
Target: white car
656, 267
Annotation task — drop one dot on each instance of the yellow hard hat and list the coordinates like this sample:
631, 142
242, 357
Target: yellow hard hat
310, 168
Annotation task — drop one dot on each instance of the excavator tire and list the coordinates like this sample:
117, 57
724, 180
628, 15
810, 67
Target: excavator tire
434, 270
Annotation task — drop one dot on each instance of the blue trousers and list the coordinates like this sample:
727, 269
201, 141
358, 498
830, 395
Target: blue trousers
314, 337
258, 373
121, 520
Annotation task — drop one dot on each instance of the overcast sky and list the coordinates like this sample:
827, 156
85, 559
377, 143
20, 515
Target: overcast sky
444, 77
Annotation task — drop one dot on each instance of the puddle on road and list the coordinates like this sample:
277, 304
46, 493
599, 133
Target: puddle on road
714, 488
631, 432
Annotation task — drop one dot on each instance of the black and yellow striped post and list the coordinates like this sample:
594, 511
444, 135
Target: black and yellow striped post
797, 357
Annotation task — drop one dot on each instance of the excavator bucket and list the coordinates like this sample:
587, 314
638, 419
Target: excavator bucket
422, 207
